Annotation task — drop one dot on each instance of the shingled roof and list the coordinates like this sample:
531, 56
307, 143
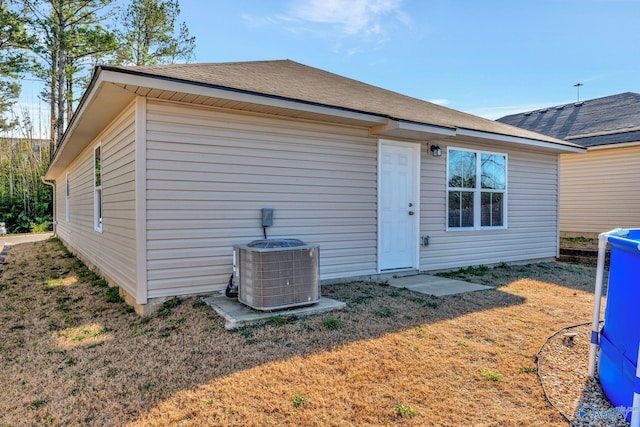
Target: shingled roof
602, 121
284, 88
290, 80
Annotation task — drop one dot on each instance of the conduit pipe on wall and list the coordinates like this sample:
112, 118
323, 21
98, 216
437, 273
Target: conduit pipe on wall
53, 198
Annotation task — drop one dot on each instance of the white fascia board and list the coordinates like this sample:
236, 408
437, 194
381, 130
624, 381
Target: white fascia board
614, 146
570, 147
86, 100
420, 127
411, 130
167, 84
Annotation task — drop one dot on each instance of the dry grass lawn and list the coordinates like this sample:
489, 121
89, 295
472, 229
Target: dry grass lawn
72, 354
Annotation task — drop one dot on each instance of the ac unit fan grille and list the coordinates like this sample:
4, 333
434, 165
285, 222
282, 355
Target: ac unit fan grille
272, 279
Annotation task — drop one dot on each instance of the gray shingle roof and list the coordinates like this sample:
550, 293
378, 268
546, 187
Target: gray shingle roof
609, 120
291, 80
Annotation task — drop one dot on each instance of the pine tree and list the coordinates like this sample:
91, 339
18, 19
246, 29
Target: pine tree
150, 37
67, 33
13, 61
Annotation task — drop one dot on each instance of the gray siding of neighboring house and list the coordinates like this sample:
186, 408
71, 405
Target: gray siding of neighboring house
114, 250
600, 190
209, 172
532, 231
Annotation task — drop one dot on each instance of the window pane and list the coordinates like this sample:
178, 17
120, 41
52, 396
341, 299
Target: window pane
462, 169
98, 167
99, 209
494, 171
492, 208
460, 209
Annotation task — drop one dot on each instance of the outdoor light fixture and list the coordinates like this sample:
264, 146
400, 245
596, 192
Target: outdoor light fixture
436, 151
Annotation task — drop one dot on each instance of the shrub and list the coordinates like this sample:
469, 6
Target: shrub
41, 227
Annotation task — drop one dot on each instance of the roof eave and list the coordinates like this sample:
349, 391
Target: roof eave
136, 78
558, 145
102, 104
381, 125
613, 146
110, 91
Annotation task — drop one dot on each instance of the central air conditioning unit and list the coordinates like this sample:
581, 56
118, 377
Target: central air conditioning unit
274, 274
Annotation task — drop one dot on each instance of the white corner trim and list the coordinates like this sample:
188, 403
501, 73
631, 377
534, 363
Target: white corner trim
140, 144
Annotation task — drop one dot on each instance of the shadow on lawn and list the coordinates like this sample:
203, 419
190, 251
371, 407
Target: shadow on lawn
80, 355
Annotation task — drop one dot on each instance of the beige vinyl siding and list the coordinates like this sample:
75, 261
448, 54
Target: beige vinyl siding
600, 190
531, 212
210, 172
112, 251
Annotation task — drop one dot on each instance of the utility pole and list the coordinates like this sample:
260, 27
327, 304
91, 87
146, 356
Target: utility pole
577, 85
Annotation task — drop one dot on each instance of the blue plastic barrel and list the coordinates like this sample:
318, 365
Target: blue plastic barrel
620, 335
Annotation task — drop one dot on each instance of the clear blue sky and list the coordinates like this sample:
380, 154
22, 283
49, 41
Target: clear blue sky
485, 57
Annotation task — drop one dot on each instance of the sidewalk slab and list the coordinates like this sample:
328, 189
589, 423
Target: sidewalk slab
435, 285
16, 239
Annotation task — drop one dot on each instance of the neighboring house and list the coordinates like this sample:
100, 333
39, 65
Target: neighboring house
599, 191
164, 168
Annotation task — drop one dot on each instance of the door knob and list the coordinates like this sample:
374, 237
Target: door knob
410, 212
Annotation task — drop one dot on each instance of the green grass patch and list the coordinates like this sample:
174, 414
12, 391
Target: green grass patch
281, 320
113, 295
178, 321
332, 323
383, 312
404, 411
491, 375
465, 272
101, 283
37, 404
529, 370
169, 305
578, 239
299, 400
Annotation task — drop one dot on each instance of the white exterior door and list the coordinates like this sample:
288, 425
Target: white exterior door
398, 205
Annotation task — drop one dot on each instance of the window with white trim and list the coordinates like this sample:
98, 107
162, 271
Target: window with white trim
476, 190
97, 187
67, 192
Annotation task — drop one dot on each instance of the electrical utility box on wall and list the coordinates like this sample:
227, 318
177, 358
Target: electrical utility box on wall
267, 217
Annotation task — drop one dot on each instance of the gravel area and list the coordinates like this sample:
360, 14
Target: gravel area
562, 366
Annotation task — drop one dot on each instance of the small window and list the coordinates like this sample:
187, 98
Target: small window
476, 189
97, 187
67, 192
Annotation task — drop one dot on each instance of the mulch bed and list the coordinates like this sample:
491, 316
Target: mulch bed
562, 366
